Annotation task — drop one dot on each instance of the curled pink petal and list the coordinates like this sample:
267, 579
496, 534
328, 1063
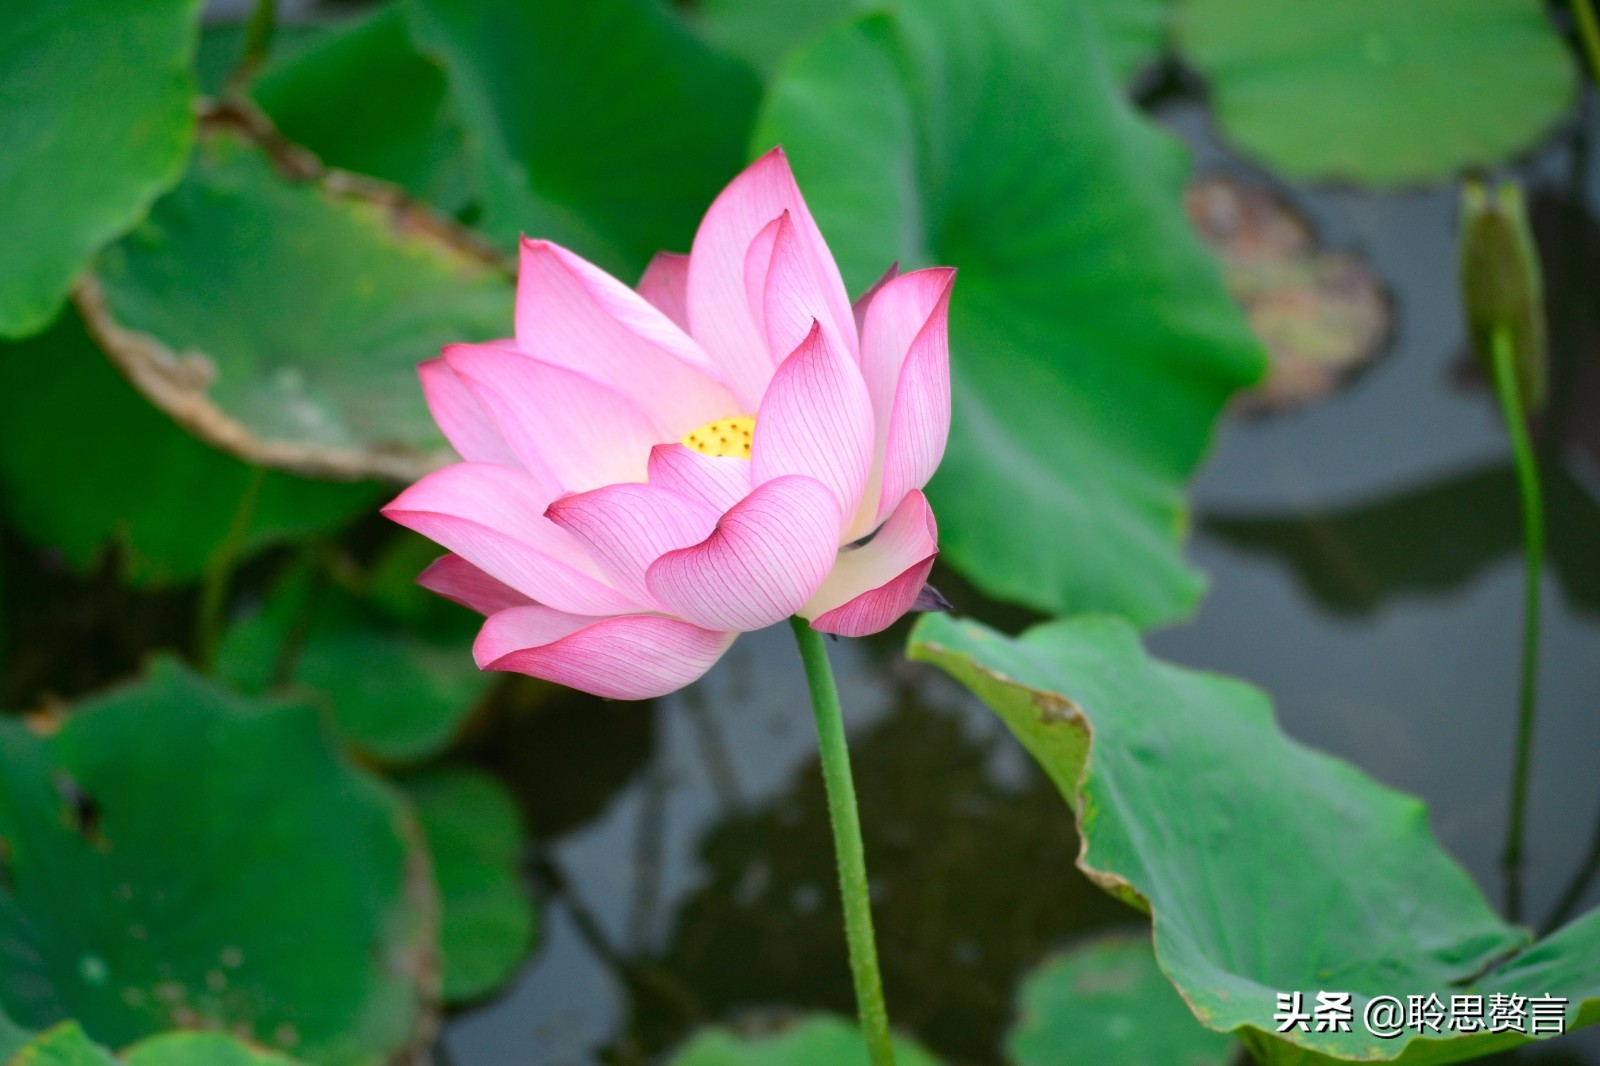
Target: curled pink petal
459, 581
720, 316
558, 420
793, 299
632, 657
493, 517
757, 265
572, 314
470, 429
913, 436
665, 285
764, 560
859, 308
719, 482
899, 309
870, 587
627, 527
816, 420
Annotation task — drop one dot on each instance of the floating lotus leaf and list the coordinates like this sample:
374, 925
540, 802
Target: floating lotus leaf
177, 856
415, 686
1107, 1002
321, 294
764, 32
1194, 806
808, 1041
486, 917
1382, 91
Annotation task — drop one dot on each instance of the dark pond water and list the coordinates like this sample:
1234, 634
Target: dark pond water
1364, 571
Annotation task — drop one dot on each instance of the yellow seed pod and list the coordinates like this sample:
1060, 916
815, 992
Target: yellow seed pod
724, 438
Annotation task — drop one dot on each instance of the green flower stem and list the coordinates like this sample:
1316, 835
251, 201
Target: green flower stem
1505, 383
846, 821
1589, 34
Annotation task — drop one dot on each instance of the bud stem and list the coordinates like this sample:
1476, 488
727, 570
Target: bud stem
846, 821
1505, 382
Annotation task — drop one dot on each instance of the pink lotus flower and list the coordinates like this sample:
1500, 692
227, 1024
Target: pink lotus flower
648, 474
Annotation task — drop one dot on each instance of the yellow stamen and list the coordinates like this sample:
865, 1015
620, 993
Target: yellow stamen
724, 438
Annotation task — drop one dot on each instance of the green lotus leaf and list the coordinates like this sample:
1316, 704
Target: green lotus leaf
65, 1044
199, 1049
617, 175
397, 692
95, 125
12, 1037
764, 32
395, 118
1107, 1001
222, 45
1267, 868
321, 296
809, 1041
1383, 91
486, 919
178, 856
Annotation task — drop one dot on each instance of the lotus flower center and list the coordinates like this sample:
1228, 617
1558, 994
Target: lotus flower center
724, 438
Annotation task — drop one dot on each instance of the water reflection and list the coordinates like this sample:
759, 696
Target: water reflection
1432, 539
702, 894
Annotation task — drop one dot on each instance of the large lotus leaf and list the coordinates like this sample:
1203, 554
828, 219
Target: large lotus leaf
178, 856
68, 1045
809, 1041
87, 464
604, 125
1107, 1002
96, 116
62, 1045
486, 917
1429, 539
398, 693
762, 32
394, 120
12, 1036
199, 1049
1092, 341
1266, 867
1133, 33
1379, 90
283, 319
